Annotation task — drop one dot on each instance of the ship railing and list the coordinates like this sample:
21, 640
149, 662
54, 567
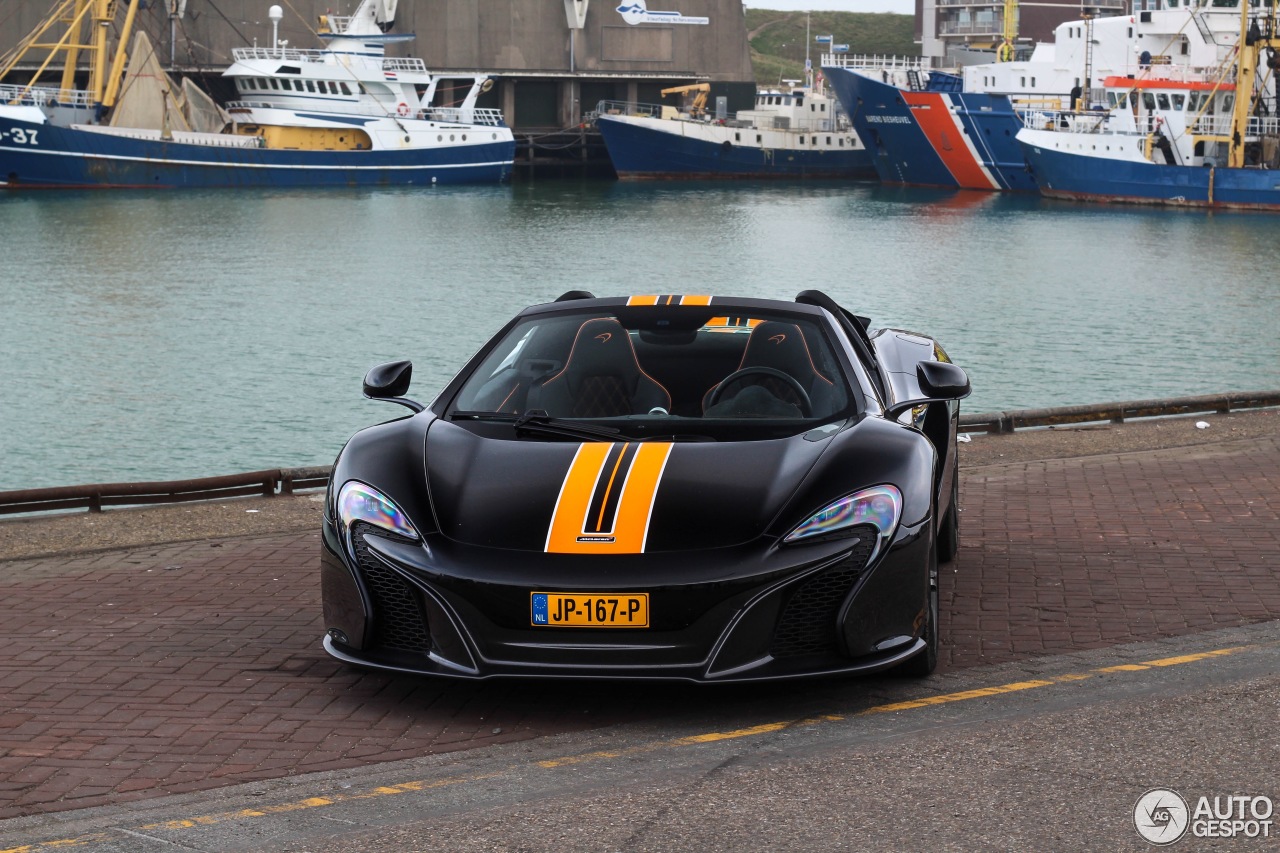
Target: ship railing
41, 95
1070, 121
624, 108
876, 62
456, 115
292, 54
1220, 125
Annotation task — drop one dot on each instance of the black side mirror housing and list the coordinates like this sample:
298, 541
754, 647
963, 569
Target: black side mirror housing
942, 380
390, 382
938, 380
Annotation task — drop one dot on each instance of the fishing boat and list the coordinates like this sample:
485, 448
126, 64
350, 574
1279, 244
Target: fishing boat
343, 115
796, 133
958, 130
1210, 142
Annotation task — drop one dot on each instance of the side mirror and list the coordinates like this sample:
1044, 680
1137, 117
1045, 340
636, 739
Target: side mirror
939, 380
390, 382
942, 380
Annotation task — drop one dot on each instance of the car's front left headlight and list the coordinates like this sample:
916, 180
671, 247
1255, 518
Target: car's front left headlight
879, 507
358, 502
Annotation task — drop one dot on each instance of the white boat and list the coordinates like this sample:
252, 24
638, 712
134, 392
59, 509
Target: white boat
345, 114
1169, 138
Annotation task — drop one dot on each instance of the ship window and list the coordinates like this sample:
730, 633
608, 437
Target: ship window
1033, 82
1149, 100
759, 138
311, 87
737, 137
275, 84
802, 140
842, 142
1163, 100
828, 140
1179, 101
297, 85
1228, 100
345, 90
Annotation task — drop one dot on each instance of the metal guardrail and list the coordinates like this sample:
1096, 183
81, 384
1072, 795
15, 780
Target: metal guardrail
286, 481
997, 422
277, 481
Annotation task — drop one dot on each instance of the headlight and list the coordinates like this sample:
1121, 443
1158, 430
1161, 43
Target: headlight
358, 502
880, 507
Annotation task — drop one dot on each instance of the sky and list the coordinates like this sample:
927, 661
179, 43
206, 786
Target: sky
902, 7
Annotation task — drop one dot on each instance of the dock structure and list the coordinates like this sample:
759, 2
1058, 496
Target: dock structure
551, 61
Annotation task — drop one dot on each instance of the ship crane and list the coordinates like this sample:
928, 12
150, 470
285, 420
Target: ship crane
698, 105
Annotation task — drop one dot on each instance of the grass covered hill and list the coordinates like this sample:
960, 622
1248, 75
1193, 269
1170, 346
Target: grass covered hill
778, 38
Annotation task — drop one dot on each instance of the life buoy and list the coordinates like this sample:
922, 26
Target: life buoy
402, 108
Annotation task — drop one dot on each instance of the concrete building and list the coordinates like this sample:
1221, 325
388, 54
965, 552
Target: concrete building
959, 32
552, 60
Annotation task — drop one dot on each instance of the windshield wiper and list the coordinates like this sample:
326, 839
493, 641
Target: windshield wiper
539, 422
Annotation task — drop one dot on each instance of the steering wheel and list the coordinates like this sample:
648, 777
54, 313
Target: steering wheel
806, 407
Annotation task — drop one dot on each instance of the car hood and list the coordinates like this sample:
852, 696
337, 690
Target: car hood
610, 497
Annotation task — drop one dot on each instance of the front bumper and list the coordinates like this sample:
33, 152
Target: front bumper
725, 615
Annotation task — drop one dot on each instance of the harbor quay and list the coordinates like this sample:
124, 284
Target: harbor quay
176, 649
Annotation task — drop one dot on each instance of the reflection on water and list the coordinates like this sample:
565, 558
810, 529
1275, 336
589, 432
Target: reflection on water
165, 335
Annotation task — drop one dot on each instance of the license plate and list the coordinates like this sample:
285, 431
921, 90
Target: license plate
590, 610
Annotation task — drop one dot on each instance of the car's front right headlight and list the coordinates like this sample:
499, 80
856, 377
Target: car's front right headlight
358, 502
879, 507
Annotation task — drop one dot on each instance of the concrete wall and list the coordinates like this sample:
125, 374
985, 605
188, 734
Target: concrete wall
521, 36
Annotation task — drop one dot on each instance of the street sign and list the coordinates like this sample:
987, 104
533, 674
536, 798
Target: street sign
839, 48
823, 39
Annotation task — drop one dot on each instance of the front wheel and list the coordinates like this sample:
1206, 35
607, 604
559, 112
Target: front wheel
926, 662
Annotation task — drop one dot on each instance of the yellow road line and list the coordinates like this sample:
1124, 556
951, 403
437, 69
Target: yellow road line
689, 740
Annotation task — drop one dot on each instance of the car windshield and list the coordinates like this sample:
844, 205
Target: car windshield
695, 371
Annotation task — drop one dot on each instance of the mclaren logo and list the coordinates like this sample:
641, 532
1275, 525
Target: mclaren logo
777, 339
606, 499
604, 337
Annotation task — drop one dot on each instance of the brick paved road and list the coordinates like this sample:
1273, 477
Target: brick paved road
131, 674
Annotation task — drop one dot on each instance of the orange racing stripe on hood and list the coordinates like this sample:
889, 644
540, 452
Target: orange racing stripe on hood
607, 498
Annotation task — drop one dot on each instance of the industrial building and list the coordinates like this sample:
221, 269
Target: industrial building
551, 60
960, 32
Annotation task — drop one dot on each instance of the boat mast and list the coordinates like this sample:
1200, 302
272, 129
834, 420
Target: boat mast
1252, 42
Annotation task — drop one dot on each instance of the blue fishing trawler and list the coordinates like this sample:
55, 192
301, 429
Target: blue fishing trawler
343, 115
796, 133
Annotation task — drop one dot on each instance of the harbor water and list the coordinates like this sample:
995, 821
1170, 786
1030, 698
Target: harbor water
166, 335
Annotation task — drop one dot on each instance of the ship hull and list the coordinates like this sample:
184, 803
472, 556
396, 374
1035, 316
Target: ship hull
662, 149
1079, 177
34, 155
953, 140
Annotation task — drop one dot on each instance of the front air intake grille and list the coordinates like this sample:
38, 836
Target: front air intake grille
398, 620
807, 625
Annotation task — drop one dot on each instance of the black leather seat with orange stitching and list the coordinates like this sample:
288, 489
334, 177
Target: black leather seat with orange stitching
782, 346
602, 378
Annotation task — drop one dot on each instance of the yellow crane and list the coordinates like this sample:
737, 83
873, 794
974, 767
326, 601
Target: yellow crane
85, 24
698, 104
1005, 52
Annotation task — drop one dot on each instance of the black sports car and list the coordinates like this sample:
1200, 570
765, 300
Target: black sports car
678, 487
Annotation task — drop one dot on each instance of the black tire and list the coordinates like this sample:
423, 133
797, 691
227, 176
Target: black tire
949, 529
924, 663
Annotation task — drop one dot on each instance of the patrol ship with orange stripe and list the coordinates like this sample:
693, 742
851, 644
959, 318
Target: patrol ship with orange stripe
958, 130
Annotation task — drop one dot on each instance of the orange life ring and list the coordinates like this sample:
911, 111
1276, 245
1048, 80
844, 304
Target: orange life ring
402, 108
